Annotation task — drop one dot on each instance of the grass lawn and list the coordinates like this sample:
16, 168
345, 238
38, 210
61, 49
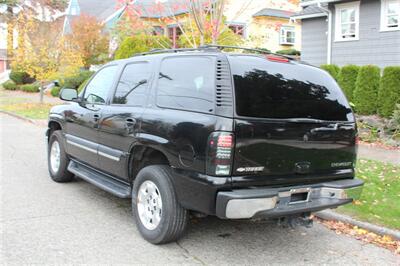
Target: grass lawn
380, 200
23, 107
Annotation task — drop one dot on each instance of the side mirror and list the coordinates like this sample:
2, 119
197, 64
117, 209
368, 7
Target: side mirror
68, 94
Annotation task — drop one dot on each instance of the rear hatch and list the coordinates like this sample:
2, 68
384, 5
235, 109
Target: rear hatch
291, 121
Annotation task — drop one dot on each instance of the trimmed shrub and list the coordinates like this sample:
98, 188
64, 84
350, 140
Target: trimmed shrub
10, 85
289, 52
139, 44
55, 91
30, 88
82, 86
20, 77
333, 70
389, 91
347, 80
366, 92
75, 81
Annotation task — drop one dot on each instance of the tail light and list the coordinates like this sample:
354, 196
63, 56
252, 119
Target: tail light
220, 154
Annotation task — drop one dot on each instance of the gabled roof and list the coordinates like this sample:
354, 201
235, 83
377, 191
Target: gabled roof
100, 9
270, 12
310, 12
165, 8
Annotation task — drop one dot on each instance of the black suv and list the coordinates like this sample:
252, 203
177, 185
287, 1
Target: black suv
234, 135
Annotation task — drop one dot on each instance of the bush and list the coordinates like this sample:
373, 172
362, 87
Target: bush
75, 81
82, 86
20, 77
55, 91
10, 85
289, 52
333, 70
347, 80
366, 92
30, 88
394, 122
139, 44
389, 91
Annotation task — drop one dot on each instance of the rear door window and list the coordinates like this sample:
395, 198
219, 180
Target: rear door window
132, 86
187, 82
286, 90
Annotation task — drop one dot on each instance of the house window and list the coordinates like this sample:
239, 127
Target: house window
158, 30
390, 15
237, 29
347, 21
287, 35
173, 34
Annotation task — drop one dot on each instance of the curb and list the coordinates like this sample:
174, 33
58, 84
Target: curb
21, 117
380, 230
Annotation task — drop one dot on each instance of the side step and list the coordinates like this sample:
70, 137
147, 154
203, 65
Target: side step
103, 181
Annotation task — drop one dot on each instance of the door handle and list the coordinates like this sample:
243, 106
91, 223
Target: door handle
96, 117
130, 122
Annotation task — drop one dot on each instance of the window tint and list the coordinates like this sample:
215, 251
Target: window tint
187, 83
97, 89
286, 90
132, 86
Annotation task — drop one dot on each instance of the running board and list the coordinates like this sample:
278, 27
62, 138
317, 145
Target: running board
103, 181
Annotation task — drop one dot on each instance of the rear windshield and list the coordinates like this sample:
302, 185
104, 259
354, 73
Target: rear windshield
286, 90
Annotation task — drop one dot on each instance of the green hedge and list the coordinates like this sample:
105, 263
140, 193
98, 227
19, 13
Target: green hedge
10, 85
55, 91
332, 69
289, 52
30, 88
347, 80
80, 88
75, 81
366, 91
139, 44
389, 91
20, 77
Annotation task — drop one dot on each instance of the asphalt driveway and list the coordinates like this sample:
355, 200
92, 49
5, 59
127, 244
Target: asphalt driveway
45, 222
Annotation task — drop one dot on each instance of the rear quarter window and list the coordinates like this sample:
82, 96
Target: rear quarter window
266, 89
187, 83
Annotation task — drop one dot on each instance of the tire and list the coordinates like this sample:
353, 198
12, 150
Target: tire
59, 174
174, 218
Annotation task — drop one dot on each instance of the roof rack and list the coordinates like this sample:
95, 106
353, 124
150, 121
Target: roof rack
177, 50
261, 51
213, 48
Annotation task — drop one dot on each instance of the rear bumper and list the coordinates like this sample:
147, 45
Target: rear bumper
278, 202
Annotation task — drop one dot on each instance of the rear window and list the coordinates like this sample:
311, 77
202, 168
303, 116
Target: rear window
187, 82
286, 90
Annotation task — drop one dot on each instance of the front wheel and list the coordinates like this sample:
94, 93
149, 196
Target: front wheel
57, 159
159, 217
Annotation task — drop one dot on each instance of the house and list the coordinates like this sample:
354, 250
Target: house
350, 32
261, 23
265, 23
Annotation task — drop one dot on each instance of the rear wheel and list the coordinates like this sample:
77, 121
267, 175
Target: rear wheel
57, 159
159, 217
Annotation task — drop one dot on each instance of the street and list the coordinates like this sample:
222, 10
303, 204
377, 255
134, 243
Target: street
45, 222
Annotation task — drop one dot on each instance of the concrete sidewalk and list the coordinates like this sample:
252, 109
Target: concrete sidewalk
379, 154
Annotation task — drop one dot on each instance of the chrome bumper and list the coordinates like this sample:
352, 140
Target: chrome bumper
276, 202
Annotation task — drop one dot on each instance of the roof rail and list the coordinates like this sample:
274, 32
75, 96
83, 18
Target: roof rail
213, 48
261, 51
177, 50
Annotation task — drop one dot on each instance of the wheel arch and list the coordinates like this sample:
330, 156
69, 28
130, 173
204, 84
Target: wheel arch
53, 126
144, 155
